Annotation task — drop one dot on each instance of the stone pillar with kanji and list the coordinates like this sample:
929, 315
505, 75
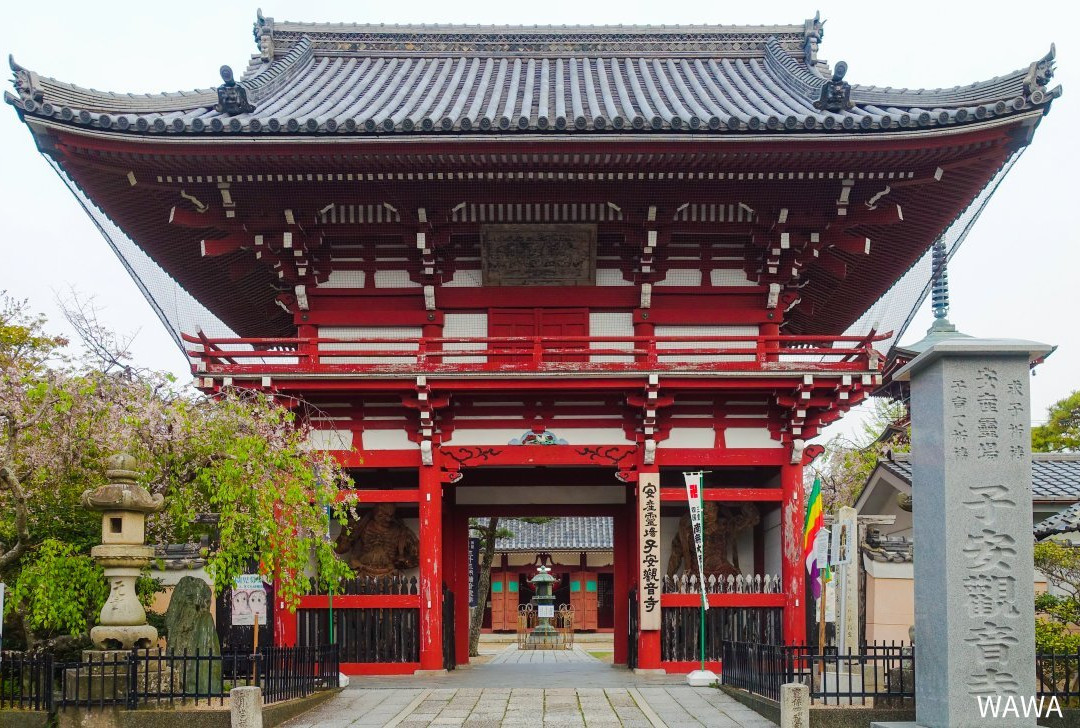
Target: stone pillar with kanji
971, 488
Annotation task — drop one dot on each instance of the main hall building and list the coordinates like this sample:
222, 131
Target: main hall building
543, 271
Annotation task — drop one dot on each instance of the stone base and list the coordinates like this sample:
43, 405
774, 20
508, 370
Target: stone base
112, 638
650, 671
107, 676
702, 679
430, 672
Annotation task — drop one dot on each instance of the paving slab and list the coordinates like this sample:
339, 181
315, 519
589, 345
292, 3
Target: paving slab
522, 689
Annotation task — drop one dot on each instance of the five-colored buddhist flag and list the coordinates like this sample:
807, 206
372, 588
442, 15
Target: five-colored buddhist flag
815, 520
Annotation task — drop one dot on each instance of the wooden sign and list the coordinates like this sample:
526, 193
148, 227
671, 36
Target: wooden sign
539, 255
649, 539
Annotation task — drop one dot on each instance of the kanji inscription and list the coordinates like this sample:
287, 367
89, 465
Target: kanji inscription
539, 255
971, 482
649, 540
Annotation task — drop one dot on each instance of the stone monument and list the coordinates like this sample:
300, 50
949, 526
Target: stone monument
190, 630
971, 486
123, 555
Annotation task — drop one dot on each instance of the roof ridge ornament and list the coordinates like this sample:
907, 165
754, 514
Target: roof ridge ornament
263, 30
836, 92
814, 31
25, 82
232, 97
1040, 72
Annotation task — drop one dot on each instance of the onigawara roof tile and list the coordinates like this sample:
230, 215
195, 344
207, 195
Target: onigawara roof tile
348, 79
1066, 521
1054, 476
561, 534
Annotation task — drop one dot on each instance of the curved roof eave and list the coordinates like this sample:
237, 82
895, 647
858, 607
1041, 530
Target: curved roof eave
302, 91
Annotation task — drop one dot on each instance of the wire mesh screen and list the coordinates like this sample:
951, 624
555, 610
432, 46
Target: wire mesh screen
382, 260
895, 310
177, 309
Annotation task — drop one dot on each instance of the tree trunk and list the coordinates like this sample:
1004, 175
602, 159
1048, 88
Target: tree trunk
487, 535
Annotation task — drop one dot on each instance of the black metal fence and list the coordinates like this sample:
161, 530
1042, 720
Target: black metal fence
681, 630
139, 677
367, 634
632, 632
877, 672
1057, 674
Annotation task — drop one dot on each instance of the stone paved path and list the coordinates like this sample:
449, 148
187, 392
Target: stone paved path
532, 688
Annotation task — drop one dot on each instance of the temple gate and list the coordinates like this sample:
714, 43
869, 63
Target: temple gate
506, 267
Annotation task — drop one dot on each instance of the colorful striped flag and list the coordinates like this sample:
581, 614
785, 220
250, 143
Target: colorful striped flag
815, 520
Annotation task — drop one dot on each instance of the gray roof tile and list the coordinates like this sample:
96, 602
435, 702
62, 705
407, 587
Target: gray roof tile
561, 534
364, 79
1054, 476
1067, 521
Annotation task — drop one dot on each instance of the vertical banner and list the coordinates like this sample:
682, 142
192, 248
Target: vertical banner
649, 541
474, 569
694, 500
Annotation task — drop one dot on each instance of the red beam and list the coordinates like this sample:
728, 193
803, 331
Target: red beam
362, 495
677, 456
720, 600
610, 456
726, 494
361, 601
378, 458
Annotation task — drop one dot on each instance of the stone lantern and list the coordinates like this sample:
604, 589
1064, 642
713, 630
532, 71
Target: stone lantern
543, 636
123, 554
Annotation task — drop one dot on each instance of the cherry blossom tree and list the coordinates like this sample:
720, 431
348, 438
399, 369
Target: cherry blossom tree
241, 455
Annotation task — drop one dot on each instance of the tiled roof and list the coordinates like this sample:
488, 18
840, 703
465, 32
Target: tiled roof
1067, 521
363, 79
560, 534
887, 549
1054, 476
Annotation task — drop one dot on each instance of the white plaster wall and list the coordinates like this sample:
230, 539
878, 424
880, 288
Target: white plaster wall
611, 324
369, 332
730, 277
681, 277
330, 440
690, 331
387, 440
601, 558
611, 277
465, 279
498, 436
750, 437
394, 279
344, 279
689, 437
463, 325
591, 435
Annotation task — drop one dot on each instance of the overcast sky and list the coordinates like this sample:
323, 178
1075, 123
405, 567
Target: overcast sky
1016, 276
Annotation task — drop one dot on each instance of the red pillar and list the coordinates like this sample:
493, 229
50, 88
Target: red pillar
648, 640
284, 630
625, 557
793, 569
431, 578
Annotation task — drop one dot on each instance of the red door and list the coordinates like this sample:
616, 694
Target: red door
547, 323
